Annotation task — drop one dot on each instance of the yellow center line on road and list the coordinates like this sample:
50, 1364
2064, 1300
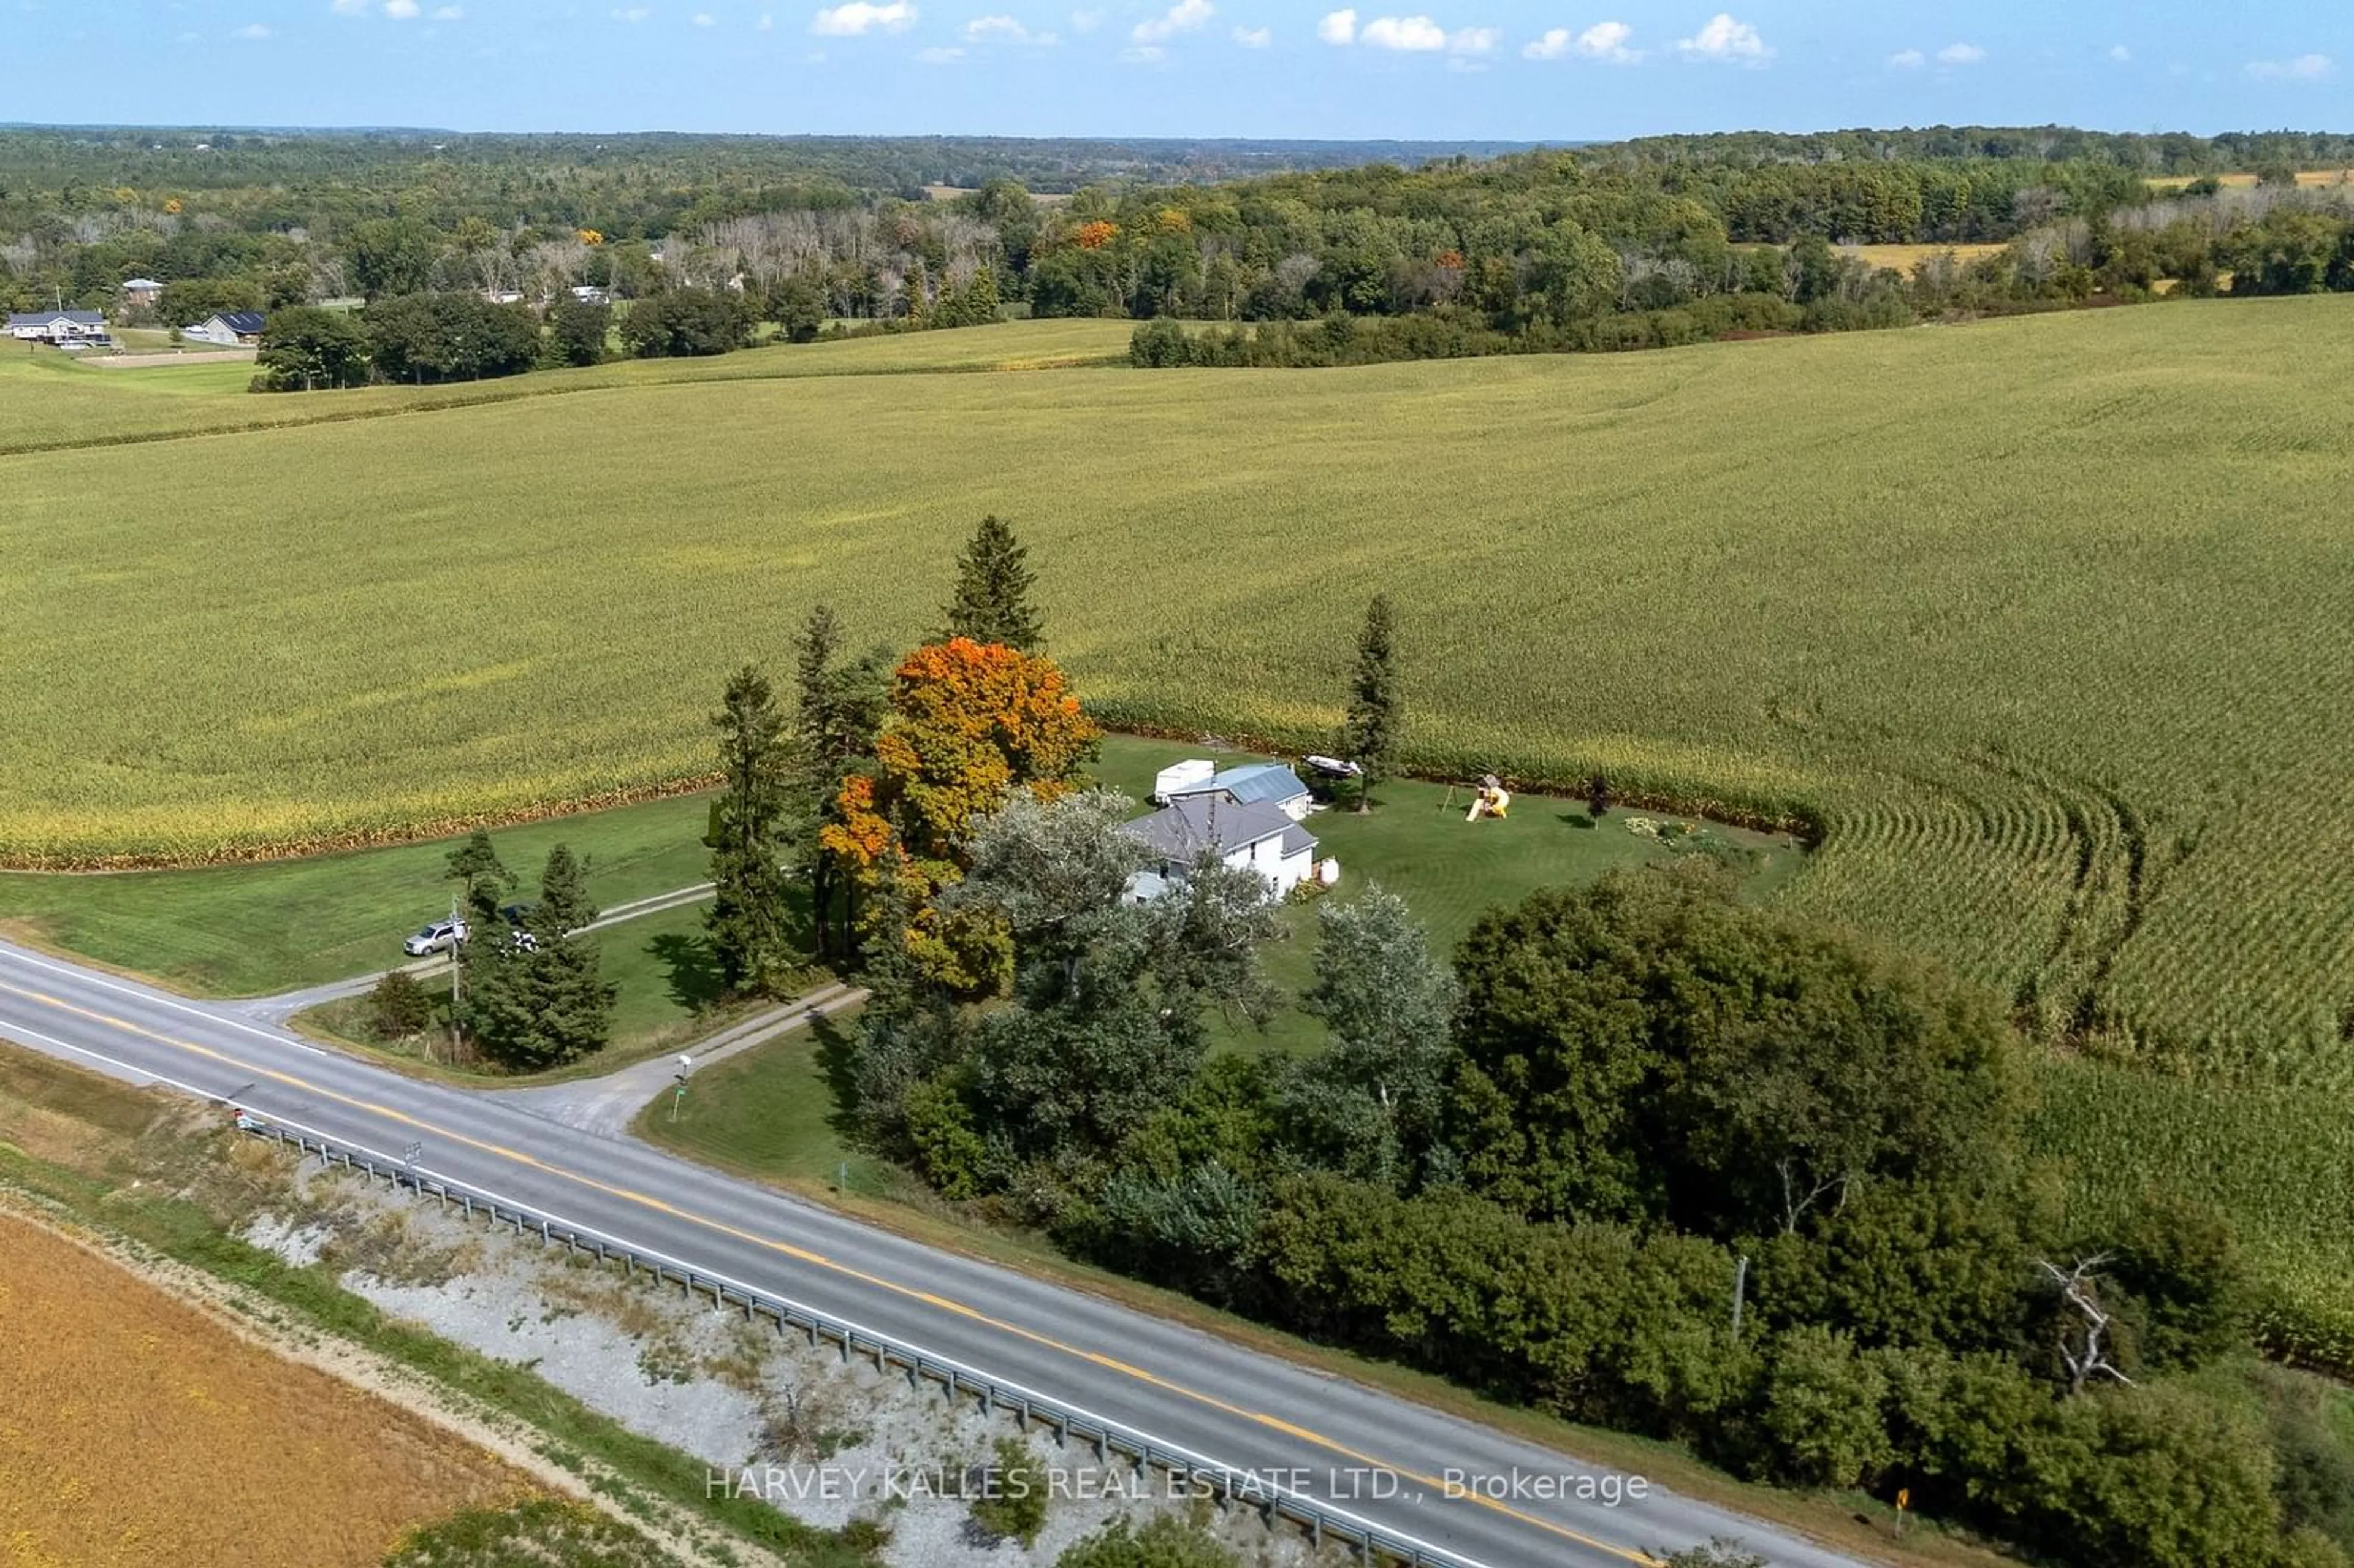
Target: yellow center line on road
802, 1254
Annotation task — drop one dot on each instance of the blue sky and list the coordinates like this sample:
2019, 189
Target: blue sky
1506, 69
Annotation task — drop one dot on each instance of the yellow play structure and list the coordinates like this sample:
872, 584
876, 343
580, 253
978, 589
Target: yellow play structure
1491, 800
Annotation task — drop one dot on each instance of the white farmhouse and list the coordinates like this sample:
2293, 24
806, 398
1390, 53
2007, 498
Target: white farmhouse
1255, 835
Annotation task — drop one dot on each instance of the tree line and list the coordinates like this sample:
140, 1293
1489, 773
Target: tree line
1592, 248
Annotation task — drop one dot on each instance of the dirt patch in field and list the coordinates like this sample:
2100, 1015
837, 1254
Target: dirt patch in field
134, 1430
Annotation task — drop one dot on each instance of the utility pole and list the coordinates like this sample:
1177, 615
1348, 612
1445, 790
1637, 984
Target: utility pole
454, 968
1740, 1290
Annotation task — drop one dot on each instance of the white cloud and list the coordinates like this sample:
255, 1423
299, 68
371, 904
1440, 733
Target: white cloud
705, 19
853, 17
1908, 60
2122, 55
451, 14
402, 10
1254, 37
348, 7
1408, 35
1182, 17
634, 14
1003, 30
1726, 39
253, 32
1960, 54
1142, 54
1086, 21
1552, 46
939, 56
2304, 68
1607, 41
766, 24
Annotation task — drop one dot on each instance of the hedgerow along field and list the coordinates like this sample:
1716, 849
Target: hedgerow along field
2045, 620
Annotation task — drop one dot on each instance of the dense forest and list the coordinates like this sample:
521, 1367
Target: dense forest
1330, 258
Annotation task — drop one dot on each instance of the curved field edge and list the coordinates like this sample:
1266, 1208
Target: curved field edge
2037, 617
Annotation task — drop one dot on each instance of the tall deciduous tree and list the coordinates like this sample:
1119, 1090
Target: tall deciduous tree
577, 331
992, 602
748, 923
1376, 1095
1370, 732
969, 725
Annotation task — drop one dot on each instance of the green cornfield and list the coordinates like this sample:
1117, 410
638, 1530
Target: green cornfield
2047, 622
2280, 1162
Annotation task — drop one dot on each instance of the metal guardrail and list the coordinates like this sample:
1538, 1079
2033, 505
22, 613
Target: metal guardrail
1322, 1521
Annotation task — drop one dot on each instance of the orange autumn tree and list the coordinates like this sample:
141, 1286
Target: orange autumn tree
969, 724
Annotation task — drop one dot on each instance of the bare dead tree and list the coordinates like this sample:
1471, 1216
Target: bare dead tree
2082, 1349
1794, 1204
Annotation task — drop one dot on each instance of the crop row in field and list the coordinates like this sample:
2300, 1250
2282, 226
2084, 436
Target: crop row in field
137, 1431
2279, 1161
2048, 619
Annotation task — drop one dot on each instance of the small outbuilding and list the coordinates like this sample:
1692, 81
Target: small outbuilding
1249, 784
230, 329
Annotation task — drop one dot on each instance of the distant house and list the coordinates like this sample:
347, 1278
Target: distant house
57, 326
1251, 784
142, 292
590, 294
230, 329
1258, 836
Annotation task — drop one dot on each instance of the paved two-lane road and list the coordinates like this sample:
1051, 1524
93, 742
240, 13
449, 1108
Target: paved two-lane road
1256, 1411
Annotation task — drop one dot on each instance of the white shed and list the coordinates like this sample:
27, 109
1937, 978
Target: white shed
1182, 778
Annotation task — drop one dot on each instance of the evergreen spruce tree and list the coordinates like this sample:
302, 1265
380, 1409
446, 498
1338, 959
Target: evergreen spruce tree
542, 1005
1369, 734
484, 879
564, 903
992, 603
816, 784
748, 923
484, 883
838, 711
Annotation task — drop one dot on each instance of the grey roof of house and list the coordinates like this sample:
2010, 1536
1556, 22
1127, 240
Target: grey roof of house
42, 318
1298, 840
140, 284
1192, 823
1250, 781
243, 321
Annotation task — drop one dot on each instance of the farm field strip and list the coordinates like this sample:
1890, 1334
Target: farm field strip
2047, 618
47, 402
137, 1430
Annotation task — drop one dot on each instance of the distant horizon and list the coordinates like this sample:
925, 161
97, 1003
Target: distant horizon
234, 128
1462, 71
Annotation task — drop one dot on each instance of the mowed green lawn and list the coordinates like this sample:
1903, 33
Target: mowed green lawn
777, 1110
2048, 618
248, 929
